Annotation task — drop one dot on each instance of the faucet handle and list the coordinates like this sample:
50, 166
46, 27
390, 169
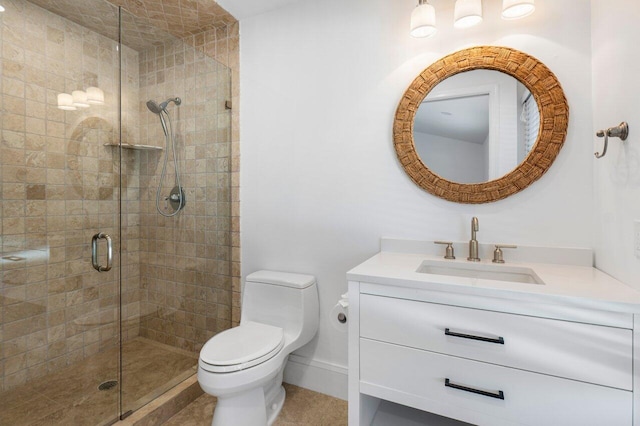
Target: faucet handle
497, 253
449, 249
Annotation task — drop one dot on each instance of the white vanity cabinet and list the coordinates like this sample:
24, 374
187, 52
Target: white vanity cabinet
488, 360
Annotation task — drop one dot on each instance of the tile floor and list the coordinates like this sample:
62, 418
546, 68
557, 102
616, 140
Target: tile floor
302, 407
71, 396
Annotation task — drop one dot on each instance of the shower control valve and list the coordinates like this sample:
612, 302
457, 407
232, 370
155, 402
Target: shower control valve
177, 198
173, 198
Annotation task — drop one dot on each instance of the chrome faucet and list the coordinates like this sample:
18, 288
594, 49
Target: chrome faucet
473, 243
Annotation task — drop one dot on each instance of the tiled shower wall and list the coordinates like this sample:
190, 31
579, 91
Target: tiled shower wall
59, 187
185, 261
223, 44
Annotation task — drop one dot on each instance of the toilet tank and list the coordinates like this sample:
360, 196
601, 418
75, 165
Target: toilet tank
282, 299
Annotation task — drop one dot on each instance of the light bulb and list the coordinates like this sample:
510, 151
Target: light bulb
80, 99
65, 102
467, 13
423, 20
95, 96
516, 9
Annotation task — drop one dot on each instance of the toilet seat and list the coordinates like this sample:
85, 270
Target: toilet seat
241, 347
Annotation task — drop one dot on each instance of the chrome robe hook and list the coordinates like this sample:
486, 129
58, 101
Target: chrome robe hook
620, 131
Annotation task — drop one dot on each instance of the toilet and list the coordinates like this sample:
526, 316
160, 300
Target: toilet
243, 366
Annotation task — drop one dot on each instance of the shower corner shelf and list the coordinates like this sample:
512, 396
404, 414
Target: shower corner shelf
136, 147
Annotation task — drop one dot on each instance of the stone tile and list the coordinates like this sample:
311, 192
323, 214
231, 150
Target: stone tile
70, 395
302, 407
198, 413
27, 410
167, 405
94, 409
35, 192
310, 408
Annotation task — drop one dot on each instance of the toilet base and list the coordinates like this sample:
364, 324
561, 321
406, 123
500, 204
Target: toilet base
276, 406
245, 409
248, 409
257, 407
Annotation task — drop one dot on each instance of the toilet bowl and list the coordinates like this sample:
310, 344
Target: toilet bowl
243, 366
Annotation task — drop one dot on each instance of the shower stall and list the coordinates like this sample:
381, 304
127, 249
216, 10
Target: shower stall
111, 279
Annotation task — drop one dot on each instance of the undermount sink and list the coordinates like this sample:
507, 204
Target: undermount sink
483, 271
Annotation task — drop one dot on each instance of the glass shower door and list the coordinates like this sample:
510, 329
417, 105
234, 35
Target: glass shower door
59, 317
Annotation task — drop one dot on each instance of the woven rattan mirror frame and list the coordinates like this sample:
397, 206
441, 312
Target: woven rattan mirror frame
541, 82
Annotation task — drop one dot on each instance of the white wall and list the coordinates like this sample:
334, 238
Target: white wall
504, 154
453, 159
320, 181
616, 98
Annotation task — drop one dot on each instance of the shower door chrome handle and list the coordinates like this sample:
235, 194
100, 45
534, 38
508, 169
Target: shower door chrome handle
94, 252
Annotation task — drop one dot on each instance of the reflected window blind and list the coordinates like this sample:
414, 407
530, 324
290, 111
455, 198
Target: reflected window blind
531, 118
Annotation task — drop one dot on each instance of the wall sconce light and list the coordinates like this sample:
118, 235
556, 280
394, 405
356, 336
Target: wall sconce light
80, 99
423, 20
1, 8
65, 102
515, 9
467, 13
95, 96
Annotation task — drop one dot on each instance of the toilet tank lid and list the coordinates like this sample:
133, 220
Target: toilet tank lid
286, 279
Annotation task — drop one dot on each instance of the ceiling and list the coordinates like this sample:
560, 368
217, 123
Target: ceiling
149, 22
241, 9
179, 17
463, 118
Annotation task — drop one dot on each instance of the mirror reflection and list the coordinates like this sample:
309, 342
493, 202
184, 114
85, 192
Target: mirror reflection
476, 126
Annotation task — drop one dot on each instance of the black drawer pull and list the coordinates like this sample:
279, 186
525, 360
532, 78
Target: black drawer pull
499, 340
499, 395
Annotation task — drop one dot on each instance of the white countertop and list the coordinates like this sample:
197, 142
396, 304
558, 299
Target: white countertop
577, 285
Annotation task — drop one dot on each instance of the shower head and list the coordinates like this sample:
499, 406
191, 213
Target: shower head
154, 107
157, 109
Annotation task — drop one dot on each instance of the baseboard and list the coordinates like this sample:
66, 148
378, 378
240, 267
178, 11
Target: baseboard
318, 376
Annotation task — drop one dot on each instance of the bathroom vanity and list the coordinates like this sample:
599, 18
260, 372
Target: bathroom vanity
549, 341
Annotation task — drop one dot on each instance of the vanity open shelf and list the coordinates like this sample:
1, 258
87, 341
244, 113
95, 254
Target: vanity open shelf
491, 349
389, 413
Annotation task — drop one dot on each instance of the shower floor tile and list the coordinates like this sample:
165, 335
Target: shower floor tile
71, 396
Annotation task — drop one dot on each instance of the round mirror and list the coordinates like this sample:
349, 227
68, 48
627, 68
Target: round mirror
476, 126
480, 124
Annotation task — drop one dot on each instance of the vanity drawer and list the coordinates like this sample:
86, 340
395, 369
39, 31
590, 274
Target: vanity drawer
417, 378
590, 353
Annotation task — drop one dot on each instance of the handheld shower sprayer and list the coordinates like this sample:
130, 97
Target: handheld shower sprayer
177, 196
159, 109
